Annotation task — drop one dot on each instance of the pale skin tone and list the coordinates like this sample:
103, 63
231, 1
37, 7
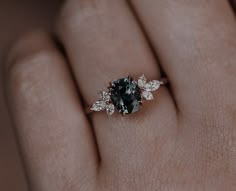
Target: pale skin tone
183, 140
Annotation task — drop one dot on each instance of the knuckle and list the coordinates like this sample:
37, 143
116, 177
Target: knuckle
26, 75
25, 66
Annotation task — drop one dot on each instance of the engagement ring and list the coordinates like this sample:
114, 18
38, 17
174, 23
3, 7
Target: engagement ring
126, 95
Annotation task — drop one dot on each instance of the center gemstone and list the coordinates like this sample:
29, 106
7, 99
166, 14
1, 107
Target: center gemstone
125, 95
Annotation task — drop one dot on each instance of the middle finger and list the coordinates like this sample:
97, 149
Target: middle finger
195, 41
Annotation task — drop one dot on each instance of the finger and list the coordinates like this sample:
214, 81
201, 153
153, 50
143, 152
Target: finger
53, 132
195, 41
233, 5
104, 43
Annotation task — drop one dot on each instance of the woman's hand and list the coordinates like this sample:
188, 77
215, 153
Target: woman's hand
183, 140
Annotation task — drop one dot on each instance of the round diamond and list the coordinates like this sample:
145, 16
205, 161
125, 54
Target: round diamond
125, 95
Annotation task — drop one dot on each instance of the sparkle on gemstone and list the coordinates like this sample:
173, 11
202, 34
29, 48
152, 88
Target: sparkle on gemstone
110, 109
152, 85
142, 81
125, 95
105, 96
147, 95
99, 106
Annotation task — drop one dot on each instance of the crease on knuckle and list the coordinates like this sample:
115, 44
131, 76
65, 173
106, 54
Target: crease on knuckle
26, 76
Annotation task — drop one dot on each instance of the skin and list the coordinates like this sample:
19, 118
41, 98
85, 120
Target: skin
16, 18
184, 140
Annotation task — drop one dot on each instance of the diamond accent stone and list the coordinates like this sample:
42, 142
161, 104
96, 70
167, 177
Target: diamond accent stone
110, 109
147, 95
142, 81
105, 96
152, 85
99, 106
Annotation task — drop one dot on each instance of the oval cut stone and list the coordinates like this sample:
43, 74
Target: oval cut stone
125, 95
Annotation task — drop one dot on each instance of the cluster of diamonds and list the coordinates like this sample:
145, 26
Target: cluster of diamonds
146, 89
104, 104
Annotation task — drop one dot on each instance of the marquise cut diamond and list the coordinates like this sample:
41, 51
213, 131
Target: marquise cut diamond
142, 81
99, 106
152, 85
110, 109
147, 95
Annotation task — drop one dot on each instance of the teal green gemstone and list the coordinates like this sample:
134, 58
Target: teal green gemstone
125, 95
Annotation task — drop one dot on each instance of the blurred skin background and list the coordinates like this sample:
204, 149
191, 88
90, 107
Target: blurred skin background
16, 18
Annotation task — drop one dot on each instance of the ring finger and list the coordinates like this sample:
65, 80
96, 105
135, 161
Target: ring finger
104, 42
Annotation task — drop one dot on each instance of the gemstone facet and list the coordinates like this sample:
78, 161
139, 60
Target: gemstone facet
125, 95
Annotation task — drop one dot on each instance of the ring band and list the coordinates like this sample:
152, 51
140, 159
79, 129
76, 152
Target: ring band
126, 95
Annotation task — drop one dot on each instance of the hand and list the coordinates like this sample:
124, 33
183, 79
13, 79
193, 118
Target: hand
184, 140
